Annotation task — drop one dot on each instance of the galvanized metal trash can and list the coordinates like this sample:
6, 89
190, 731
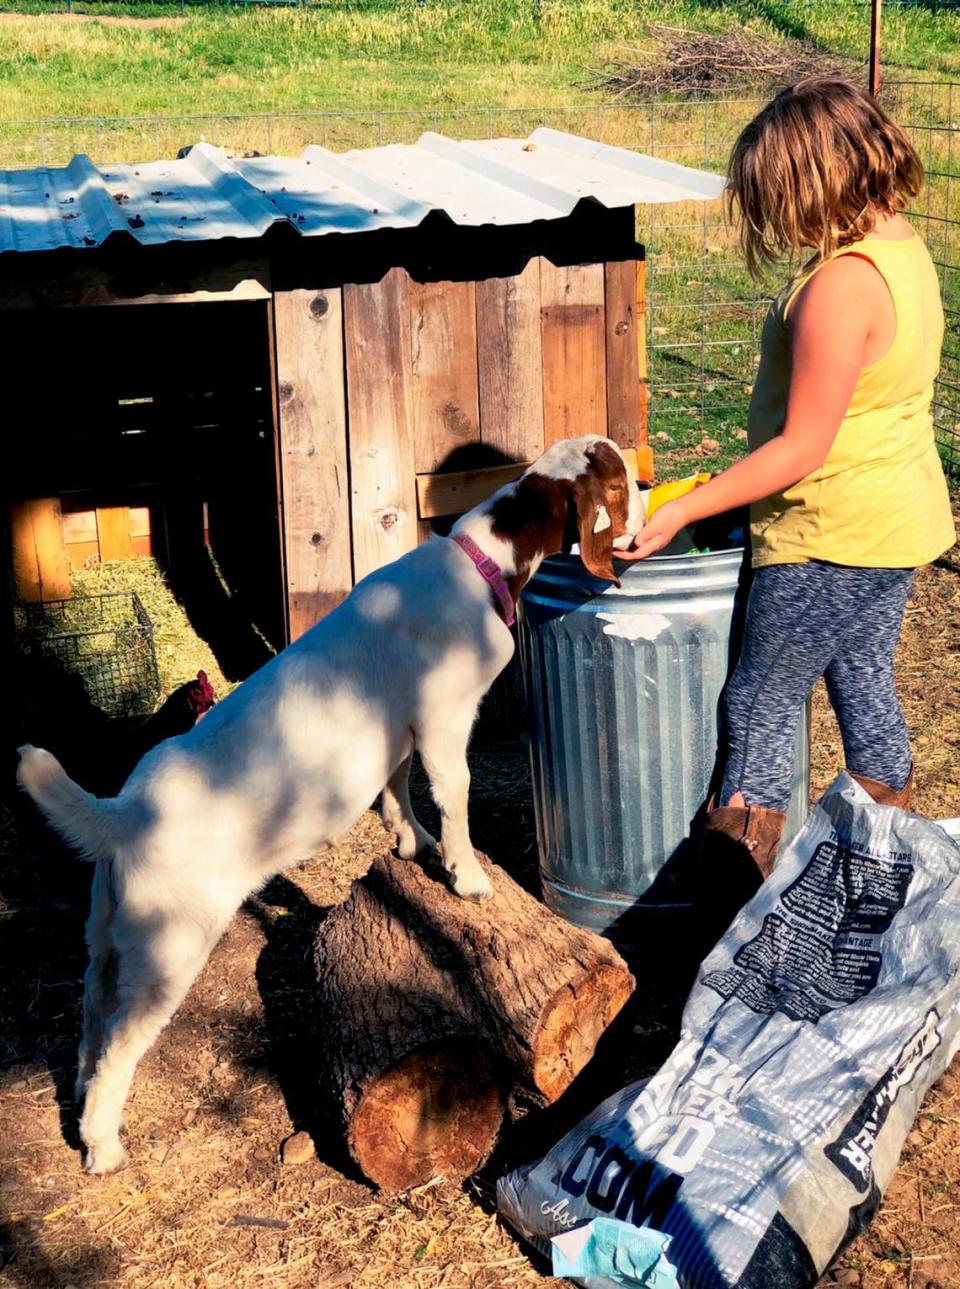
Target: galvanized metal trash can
622, 693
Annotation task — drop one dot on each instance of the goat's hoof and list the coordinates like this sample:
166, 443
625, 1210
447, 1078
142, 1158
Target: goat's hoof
424, 845
472, 886
107, 1157
410, 844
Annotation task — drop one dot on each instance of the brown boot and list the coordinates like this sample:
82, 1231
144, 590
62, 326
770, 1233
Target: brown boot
738, 850
883, 794
756, 830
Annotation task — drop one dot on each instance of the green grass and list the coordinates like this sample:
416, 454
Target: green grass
463, 53
225, 61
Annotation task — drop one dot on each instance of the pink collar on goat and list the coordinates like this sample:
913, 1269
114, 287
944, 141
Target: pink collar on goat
491, 572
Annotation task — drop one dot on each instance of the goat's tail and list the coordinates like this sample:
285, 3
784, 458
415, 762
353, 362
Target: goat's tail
85, 821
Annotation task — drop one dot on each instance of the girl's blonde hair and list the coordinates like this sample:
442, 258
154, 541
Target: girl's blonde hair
815, 168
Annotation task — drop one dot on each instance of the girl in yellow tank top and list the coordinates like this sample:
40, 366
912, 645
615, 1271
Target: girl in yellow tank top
860, 505
843, 478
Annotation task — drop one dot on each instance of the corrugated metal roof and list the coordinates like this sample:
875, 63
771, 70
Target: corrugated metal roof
207, 194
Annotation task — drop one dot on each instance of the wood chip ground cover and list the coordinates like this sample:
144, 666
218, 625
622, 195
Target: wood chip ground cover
207, 1203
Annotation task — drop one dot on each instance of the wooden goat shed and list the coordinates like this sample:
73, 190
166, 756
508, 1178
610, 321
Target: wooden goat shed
356, 347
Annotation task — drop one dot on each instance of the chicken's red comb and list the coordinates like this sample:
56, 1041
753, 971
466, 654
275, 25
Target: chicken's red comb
202, 692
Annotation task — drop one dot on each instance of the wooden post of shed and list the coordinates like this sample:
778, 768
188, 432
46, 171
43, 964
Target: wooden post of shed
625, 282
645, 469
41, 568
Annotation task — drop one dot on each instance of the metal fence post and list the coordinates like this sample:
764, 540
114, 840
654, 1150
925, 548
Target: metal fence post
874, 74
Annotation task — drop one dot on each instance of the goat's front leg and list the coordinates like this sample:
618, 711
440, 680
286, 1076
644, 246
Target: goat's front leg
398, 816
443, 750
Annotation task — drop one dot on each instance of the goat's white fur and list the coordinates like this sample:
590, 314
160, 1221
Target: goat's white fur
282, 766
602, 521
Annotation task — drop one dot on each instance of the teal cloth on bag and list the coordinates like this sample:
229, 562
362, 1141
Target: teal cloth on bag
619, 1251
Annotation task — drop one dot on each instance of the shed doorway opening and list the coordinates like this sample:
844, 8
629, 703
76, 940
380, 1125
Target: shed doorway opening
143, 433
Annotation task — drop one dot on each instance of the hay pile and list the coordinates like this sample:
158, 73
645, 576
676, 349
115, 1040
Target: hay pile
698, 61
181, 653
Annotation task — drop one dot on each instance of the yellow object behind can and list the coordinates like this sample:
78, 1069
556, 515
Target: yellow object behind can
665, 492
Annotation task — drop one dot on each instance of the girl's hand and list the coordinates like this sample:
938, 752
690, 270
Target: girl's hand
667, 521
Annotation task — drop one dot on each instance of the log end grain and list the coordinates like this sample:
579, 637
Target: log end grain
573, 1023
436, 1112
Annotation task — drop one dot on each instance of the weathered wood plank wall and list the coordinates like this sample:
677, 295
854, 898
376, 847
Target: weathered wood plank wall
398, 403
510, 361
40, 566
383, 490
83, 533
308, 329
427, 370
444, 384
574, 351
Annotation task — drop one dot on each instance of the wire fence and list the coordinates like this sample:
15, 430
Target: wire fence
535, 7
704, 313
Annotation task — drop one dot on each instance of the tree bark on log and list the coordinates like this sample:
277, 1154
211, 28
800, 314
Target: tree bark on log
433, 1006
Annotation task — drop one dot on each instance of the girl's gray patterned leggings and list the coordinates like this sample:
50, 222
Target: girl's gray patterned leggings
805, 621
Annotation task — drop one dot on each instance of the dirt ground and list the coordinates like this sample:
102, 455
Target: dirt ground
206, 1202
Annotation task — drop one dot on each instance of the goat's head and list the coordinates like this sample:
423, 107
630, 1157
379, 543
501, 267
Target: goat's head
603, 502
607, 505
580, 491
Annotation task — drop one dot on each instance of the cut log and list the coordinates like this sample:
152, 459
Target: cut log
437, 1112
417, 1087
432, 1006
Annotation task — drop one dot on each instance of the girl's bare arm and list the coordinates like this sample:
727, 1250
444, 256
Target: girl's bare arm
833, 321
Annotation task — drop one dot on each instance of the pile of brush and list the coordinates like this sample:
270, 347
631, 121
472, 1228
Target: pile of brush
695, 61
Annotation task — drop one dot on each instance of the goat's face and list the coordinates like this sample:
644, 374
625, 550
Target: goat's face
604, 503
579, 490
608, 507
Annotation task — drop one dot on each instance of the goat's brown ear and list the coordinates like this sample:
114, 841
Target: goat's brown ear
596, 528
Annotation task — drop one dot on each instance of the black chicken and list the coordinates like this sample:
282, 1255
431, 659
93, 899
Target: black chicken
51, 710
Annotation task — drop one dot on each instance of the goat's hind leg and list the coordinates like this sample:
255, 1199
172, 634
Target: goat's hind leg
156, 969
398, 816
100, 978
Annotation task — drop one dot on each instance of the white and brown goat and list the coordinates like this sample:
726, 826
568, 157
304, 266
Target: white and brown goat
291, 759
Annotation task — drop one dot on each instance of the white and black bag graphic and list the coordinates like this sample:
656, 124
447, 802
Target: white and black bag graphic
815, 1027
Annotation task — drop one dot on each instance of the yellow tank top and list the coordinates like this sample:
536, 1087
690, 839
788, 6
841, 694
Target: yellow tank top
880, 499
